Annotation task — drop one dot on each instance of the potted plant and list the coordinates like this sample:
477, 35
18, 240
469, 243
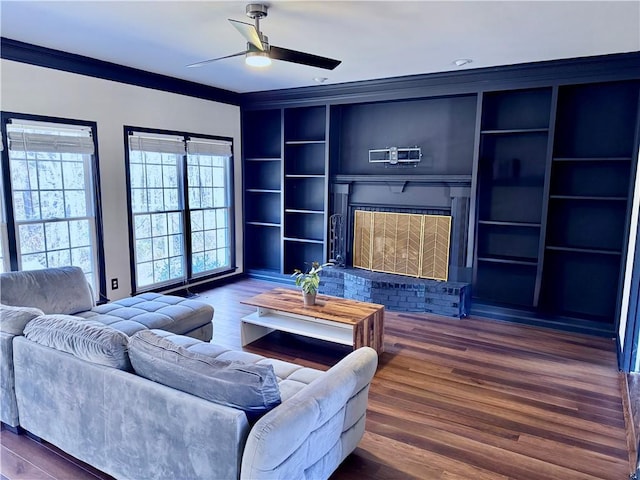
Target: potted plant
309, 282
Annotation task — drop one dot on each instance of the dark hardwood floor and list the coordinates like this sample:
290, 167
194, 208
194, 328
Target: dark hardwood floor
452, 399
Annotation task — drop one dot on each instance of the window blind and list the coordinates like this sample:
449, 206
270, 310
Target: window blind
159, 144
81, 143
220, 148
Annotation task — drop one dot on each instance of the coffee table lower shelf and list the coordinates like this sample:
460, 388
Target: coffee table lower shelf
265, 320
338, 320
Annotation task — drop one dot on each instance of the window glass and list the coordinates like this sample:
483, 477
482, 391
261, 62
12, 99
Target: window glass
163, 204
210, 210
52, 193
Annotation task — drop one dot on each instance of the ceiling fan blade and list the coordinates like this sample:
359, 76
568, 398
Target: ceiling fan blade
249, 32
206, 62
279, 53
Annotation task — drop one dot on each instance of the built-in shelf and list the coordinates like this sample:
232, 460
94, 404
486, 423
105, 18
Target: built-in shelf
514, 141
262, 190
318, 175
592, 159
264, 224
551, 170
511, 131
588, 197
315, 212
305, 169
262, 146
590, 172
304, 142
508, 224
596, 251
303, 240
509, 260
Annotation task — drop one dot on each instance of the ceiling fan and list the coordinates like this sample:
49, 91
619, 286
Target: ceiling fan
259, 53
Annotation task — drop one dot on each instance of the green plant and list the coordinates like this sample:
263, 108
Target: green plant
309, 281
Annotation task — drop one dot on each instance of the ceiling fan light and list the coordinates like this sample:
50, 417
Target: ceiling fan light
257, 59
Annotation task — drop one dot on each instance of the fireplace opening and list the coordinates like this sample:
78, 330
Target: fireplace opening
409, 244
399, 259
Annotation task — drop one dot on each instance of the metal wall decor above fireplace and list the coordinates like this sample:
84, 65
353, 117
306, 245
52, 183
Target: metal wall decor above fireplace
396, 155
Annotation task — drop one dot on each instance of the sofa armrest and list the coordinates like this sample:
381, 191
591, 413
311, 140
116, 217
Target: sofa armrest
8, 405
310, 434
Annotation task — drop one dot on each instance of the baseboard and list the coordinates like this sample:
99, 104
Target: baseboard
632, 439
16, 430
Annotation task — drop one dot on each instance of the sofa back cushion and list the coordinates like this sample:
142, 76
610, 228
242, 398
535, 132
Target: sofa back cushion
53, 290
14, 319
85, 339
251, 388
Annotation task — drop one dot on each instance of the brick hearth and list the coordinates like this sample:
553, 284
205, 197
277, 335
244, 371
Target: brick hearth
398, 292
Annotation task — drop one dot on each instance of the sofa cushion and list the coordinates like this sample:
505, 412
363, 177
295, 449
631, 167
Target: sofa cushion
53, 290
291, 377
14, 319
152, 310
87, 340
251, 388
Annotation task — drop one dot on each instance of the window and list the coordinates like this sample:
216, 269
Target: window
4, 267
51, 205
180, 207
209, 205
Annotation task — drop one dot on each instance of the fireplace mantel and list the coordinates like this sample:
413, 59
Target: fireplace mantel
446, 180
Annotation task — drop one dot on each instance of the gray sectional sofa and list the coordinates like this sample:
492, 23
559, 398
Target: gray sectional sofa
65, 290
156, 405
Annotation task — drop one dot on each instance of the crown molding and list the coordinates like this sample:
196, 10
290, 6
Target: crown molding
70, 62
614, 67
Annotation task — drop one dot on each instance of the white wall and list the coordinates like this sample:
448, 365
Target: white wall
41, 91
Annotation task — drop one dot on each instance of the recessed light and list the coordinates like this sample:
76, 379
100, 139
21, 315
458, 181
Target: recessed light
320, 79
462, 61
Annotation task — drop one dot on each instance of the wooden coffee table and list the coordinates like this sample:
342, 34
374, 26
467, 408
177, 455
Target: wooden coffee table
334, 319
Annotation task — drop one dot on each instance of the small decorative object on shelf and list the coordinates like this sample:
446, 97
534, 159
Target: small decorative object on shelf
309, 282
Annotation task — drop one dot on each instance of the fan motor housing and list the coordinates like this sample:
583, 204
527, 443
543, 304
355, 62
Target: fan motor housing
257, 10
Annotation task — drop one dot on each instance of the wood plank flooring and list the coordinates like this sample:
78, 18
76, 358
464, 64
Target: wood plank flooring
452, 399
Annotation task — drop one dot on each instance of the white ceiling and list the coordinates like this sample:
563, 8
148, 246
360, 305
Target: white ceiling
374, 39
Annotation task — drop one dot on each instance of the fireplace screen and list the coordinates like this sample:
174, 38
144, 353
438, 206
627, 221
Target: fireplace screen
402, 243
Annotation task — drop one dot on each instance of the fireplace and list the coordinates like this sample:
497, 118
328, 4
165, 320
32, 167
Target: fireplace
402, 243
364, 206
